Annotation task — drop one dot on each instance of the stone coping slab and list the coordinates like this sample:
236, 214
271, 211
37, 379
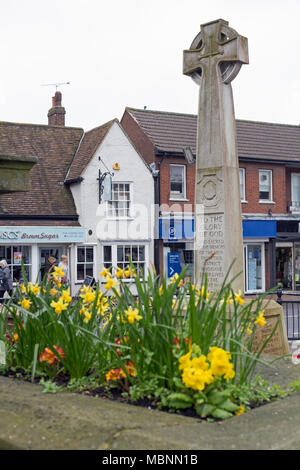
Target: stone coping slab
32, 420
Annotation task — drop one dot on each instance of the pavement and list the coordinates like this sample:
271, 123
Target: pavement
33, 420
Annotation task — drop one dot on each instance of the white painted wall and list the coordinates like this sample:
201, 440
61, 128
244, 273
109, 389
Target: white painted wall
115, 148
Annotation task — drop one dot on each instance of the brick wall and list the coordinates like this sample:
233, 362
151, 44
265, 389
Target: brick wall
252, 188
280, 175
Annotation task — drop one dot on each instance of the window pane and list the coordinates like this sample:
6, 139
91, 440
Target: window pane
120, 254
135, 256
265, 185
128, 254
89, 270
177, 179
296, 190
141, 253
254, 267
107, 254
80, 272
80, 254
89, 255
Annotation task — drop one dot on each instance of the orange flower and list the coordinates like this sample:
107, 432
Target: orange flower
115, 374
130, 369
48, 356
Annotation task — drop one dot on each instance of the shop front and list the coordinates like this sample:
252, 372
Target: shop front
36, 248
178, 246
259, 242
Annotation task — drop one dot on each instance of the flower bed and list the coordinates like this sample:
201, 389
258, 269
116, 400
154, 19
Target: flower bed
173, 345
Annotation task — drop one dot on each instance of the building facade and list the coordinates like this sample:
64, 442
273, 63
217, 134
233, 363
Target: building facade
84, 200
269, 161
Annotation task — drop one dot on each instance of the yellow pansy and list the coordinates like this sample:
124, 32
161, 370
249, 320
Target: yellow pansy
240, 411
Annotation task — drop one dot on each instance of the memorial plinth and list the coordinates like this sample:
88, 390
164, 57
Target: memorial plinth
15, 173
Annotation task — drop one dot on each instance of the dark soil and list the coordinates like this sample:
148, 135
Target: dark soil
112, 393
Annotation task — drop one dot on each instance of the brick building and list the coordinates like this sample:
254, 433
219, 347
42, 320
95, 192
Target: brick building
269, 160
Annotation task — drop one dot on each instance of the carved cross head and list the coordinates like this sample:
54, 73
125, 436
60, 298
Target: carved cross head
216, 46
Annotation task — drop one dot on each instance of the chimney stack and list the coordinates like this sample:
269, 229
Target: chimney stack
56, 115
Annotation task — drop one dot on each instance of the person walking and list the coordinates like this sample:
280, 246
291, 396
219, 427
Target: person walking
5, 280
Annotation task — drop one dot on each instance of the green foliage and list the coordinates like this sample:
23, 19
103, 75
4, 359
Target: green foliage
134, 342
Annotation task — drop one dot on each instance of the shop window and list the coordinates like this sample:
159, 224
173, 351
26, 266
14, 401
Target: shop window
85, 262
121, 255
119, 206
177, 181
15, 255
254, 267
265, 185
242, 184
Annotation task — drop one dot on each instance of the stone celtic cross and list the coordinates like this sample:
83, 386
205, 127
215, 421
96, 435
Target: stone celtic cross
213, 61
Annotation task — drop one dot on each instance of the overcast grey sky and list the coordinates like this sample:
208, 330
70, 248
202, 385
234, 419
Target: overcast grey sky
122, 53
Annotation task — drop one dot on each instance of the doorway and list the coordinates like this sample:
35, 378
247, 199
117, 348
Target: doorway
284, 266
45, 263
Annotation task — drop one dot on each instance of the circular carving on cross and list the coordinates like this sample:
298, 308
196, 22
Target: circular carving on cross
209, 190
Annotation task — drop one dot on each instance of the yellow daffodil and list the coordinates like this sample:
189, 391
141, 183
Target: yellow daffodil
25, 303
174, 278
59, 306
53, 291
23, 289
110, 284
260, 320
58, 272
249, 331
88, 294
128, 272
87, 316
204, 293
132, 314
238, 298
105, 273
33, 288
66, 295
119, 273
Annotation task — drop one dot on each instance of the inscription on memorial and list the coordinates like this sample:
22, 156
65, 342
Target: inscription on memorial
212, 253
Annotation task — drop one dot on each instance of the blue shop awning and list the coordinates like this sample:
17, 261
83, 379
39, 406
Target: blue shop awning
259, 229
183, 229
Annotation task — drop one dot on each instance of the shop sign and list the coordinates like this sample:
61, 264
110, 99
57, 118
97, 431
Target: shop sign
39, 235
176, 229
174, 264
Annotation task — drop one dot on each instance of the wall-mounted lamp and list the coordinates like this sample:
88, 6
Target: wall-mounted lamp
116, 166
